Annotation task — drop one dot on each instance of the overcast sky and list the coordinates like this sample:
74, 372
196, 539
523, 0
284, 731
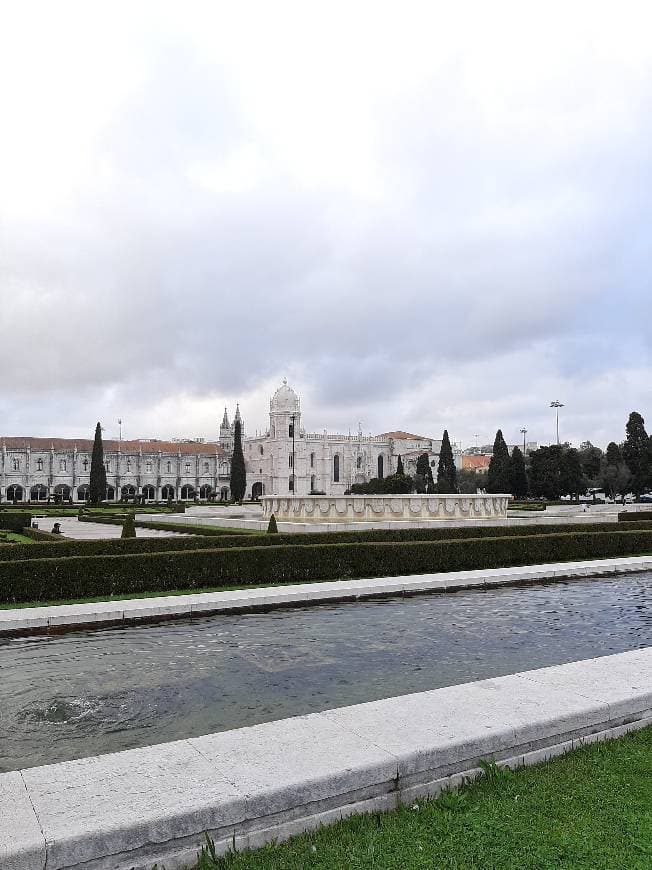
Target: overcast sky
423, 216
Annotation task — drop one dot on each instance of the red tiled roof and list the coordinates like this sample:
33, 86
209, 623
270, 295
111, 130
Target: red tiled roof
85, 445
404, 436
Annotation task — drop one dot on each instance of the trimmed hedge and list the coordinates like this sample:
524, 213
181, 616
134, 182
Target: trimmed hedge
116, 546
633, 516
15, 521
41, 535
95, 576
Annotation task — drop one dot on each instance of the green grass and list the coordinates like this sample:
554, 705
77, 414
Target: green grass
137, 595
14, 538
589, 810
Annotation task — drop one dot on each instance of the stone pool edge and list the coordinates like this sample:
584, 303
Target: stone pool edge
114, 613
248, 786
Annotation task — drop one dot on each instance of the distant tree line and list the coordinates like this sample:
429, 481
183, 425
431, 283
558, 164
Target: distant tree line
549, 472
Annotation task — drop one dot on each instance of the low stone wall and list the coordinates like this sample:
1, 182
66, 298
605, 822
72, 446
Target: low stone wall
374, 508
129, 810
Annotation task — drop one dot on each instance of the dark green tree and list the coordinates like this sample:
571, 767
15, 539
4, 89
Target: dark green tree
446, 471
399, 465
423, 479
498, 478
97, 484
518, 483
616, 478
573, 481
129, 526
545, 472
272, 528
470, 481
238, 470
636, 453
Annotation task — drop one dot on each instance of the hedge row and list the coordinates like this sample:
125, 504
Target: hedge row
633, 516
117, 546
103, 576
15, 521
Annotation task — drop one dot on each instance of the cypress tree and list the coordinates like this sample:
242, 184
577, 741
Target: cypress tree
97, 485
272, 528
446, 471
238, 470
636, 452
423, 478
517, 474
399, 465
498, 477
129, 526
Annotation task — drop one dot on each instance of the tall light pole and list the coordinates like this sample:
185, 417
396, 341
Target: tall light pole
557, 405
524, 433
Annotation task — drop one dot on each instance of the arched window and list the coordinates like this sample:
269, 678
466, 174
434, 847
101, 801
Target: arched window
336, 468
312, 483
260, 448
290, 460
312, 460
169, 467
291, 430
39, 465
381, 465
16, 464
359, 462
84, 463
167, 493
148, 492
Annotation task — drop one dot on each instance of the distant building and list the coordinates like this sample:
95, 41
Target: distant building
288, 459
38, 469
477, 462
284, 459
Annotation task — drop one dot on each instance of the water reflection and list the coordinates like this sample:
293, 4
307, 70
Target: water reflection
91, 692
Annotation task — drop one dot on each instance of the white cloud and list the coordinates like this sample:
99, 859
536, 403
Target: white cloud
428, 216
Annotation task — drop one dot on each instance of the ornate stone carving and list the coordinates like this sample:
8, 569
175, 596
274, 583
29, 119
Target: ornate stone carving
358, 508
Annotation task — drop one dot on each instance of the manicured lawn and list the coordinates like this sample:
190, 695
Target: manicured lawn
134, 596
591, 809
14, 538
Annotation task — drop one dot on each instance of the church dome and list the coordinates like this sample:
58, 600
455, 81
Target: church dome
284, 400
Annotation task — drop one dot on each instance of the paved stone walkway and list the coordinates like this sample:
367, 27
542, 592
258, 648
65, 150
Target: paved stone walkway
72, 528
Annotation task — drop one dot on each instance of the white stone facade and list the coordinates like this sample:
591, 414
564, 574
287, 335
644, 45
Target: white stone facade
280, 464
38, 469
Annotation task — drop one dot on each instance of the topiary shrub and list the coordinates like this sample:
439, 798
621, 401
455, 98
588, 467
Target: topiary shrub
129, 527
272, 528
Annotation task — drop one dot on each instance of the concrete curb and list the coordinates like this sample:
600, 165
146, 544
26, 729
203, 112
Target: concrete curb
59, 617
246, 787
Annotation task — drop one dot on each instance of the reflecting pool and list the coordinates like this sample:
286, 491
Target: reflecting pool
96, 691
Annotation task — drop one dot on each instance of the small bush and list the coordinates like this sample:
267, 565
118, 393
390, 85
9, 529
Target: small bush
272, 528
129, 527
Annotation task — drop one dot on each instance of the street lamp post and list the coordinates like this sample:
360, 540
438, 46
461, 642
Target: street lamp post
557, 405
523, 433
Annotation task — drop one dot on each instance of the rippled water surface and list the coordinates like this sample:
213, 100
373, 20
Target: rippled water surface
91, 692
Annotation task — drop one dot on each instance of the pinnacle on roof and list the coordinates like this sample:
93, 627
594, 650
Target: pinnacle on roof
225, 418
237, 412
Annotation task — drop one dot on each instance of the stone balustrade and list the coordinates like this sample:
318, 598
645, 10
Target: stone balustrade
374, 508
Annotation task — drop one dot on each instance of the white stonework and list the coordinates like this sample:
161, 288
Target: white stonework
366, 508
285, 459
323, 462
